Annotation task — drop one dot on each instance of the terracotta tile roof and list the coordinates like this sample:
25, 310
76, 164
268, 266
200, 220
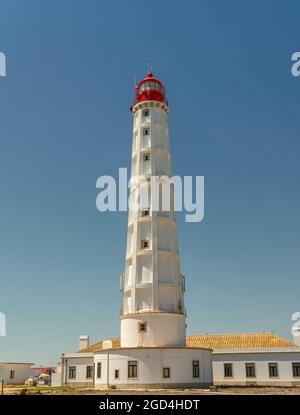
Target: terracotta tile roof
263, 340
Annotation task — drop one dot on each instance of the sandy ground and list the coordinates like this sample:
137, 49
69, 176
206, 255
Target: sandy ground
46, 390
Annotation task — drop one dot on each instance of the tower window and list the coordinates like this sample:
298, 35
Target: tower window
145, 212
146, 156
117, 374
142, 327
166, 372
250, 370
132, 368
146, 113
146, 131
196, 371
145, 244
273, 370
72, 372
179, 306
227, 370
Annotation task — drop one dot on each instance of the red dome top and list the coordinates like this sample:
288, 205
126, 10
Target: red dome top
150, 89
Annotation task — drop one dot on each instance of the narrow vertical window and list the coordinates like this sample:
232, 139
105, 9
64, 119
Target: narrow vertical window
250, 370
166, 372
273, 370
89, 372
72, 372
99, 370
196, 367
227, 370
132, 368
296, 369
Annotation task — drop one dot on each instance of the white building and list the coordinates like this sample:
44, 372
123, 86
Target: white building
15, 373
247, 359
252, 359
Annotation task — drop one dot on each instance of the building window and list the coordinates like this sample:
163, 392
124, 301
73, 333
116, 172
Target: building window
117, 374
250, 370
296, 369
145, 212
146, 156
89, 372
146, 113
142, 327
227, 370
166, 372
196, 371
132, 368
145, 244
72, 372
273, 370
99, 370
12, 374
146, 131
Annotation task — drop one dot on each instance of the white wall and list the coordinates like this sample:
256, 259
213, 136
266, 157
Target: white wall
261, 360
163, 329
22, 372
81, 363
150, 364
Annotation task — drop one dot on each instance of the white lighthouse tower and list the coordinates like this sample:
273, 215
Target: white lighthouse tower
153, 312
152, 350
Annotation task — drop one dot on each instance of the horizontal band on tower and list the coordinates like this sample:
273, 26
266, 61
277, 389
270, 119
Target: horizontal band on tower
147, 104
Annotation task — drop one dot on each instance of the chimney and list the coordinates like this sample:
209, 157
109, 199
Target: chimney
296, 335
84, 341
107, 344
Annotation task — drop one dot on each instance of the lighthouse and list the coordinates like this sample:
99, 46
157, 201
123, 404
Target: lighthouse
153, 312
152, 350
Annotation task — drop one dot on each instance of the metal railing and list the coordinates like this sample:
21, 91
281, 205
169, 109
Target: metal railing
172, 309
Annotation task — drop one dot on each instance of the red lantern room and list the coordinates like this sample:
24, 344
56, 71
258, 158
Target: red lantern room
150, 89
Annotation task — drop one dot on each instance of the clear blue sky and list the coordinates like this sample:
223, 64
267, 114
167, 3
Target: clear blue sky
65, 120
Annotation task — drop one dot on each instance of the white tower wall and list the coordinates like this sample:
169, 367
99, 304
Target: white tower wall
152, 285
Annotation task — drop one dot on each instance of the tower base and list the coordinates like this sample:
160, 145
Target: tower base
154, 367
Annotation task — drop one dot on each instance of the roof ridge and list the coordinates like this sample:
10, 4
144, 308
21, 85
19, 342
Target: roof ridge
270, 333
